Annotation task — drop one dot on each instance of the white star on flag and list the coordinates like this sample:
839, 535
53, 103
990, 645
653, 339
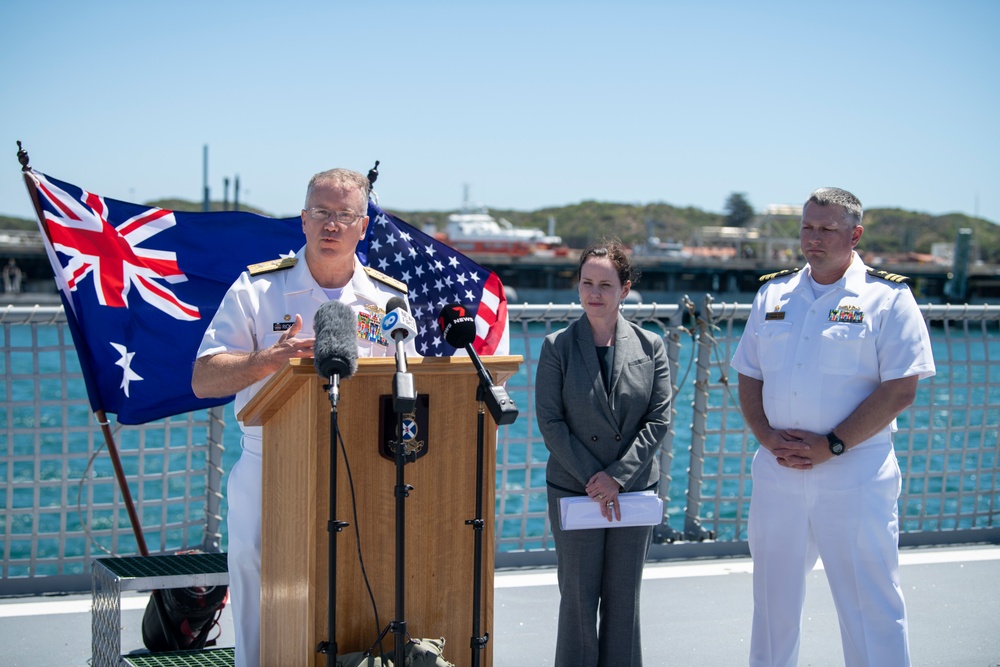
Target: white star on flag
128, 375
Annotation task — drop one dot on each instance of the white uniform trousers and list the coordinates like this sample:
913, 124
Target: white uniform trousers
243, 519
843, 511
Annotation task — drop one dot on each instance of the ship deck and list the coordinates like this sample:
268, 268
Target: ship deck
694, 612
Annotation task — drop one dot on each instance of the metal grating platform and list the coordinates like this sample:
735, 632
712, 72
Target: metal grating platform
111, 576
142, 572
217, 657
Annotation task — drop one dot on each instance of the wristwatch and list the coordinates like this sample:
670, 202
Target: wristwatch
836, 444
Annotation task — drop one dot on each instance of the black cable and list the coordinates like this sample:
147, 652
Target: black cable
357, 537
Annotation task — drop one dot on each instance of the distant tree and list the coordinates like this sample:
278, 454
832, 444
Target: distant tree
739, 213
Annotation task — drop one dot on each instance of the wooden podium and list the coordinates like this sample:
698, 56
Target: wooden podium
294, 410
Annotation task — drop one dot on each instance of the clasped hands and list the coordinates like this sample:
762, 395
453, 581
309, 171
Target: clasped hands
797, 449
603, 489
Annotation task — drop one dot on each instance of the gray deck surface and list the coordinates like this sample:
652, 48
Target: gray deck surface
693, 613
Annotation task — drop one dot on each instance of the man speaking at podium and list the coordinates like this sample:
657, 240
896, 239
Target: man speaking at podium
265, 320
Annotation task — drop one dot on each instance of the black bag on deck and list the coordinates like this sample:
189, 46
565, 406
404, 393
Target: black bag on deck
191, 614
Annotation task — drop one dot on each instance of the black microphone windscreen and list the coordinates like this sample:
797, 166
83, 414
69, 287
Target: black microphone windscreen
396, 302
335, 348
458, 327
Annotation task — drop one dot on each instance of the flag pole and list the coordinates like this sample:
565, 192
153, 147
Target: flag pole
116, 462
109, 439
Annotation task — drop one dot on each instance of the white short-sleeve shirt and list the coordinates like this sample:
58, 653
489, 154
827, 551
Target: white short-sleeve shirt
258, 309
820, 355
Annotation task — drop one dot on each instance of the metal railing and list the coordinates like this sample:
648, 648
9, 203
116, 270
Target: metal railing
947, 444
59, 505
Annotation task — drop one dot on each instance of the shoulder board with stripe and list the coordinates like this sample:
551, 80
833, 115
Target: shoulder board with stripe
272, 265
891, 277
778, 274
378, 276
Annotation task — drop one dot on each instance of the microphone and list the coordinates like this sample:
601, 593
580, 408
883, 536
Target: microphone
335, 350
399, 325
459, 329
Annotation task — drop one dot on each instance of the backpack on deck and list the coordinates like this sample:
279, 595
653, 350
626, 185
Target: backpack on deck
191, 614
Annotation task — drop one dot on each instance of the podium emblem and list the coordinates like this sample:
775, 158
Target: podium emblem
410, 427
414, 429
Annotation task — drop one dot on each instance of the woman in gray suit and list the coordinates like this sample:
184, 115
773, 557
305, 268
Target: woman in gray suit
602, 399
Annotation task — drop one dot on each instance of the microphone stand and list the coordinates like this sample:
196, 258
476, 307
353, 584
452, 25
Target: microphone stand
404, 400
402, 491
477, 641
329, 647
504, 412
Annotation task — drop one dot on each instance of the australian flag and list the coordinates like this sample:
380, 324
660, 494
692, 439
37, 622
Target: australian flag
141, 284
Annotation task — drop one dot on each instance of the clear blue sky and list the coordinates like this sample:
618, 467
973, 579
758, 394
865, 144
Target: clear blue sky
529, 103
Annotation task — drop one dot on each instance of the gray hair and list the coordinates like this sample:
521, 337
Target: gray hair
853, 211
343, 178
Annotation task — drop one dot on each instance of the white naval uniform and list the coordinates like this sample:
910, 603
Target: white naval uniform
819, 355
253, 315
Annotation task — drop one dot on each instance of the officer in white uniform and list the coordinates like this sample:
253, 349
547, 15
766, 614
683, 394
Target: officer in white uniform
830, 356
265, 319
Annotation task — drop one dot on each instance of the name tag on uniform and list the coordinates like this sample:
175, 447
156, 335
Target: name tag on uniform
777, 315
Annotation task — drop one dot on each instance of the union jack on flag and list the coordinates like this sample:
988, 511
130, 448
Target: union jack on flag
140, 286
116, 262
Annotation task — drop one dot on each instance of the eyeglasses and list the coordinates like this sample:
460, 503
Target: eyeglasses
323, 215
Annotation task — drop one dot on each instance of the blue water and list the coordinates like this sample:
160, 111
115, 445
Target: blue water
957, 395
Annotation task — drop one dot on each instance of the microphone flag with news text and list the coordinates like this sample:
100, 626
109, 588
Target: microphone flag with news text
398, 324
140, 284
459, 330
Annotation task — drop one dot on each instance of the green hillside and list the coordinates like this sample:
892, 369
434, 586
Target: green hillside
887, 230
577, 224
896, 230
196, 207
7, 222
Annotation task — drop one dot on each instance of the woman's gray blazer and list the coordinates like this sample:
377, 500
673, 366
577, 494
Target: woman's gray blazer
587, 429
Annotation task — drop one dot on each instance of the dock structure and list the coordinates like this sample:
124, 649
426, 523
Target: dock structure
726, 262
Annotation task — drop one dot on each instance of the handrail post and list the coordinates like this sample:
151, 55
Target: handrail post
693, 529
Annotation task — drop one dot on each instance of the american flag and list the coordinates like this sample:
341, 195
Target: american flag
141, 284
437, 275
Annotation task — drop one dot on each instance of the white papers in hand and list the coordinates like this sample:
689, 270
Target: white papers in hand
643, 508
